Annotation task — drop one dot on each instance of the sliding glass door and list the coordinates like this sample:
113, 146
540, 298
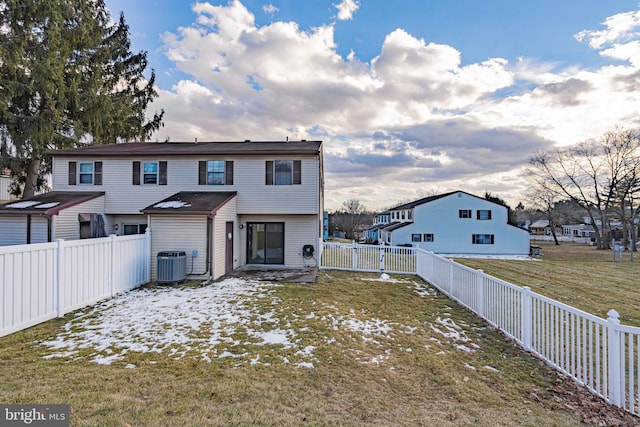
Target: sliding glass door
265, 243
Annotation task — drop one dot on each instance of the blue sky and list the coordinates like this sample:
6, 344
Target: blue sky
410, 97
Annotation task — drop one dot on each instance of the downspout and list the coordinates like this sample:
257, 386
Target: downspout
28, 229
49, 228
209, 230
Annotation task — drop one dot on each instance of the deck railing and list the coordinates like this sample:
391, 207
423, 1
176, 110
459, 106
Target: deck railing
600, 354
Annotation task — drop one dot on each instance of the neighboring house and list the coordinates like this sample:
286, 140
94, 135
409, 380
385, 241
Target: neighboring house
541, 228
380, 220
455, 223
578, 230
226, 204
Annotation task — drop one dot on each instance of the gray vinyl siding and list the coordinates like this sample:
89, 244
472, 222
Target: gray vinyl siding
13, 230
179, 233
66, 225
224, 214
299, 230
5, 181
254, 196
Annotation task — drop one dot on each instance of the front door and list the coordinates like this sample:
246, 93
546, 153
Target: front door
265, 243
228, 252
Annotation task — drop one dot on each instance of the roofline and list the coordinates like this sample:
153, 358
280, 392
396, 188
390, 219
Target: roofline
256, 149
51, 211
163, 211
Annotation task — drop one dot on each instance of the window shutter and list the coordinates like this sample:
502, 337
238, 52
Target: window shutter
162, 178
269, 172
297, 172
97, 173
202, 172
473, 239
136, 173
72, 173
489, 217
477, 214
228, 172
491, 237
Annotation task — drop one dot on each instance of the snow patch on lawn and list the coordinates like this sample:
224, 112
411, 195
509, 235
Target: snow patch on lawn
180, 321
454, 334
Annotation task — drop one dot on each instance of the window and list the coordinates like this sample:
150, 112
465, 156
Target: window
86, 173
464, 213
416, 237
283, 172
215, 172
409, 215
427, 237
482, 239
129, 229
483, 214
402, 214
150, 173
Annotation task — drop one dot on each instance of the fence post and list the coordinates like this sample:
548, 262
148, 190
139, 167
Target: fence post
59, 276
614, 358
382, 258
480, 293
525, 322
354, 256
112, 264
147, 234
450, 284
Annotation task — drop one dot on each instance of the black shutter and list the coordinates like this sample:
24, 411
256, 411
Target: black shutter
97, 176
473, 239
477, 214
269, 172
202, 172
492, 239
297, 172
228, 172
489, 217
136, 173
162, 179
72, 173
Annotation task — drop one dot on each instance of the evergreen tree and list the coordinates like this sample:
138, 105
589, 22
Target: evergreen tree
67, 78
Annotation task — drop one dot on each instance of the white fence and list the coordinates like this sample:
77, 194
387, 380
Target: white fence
599, 354
561, 238
47, 280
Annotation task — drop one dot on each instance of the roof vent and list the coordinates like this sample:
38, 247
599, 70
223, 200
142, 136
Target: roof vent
196, 141
247, 140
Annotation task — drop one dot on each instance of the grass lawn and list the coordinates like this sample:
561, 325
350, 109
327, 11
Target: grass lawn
577, 275
352, 349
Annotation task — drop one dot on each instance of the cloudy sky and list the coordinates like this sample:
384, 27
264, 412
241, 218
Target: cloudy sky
410, 97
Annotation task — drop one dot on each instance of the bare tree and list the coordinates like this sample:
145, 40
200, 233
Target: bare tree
593, 174
544, 199
351, 216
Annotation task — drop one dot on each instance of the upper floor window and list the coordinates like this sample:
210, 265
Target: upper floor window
484, 214
482, 239
464, 213
215, 172
416, 237
428, 237
85, 173
408, 214
283, 172
150, 173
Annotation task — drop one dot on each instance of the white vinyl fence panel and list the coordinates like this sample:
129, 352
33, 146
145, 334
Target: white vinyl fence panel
43, 281
597, 353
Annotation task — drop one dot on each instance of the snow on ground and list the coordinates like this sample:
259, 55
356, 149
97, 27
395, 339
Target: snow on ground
506, 257
206, 322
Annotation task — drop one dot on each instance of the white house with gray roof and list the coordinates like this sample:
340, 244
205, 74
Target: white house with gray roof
455, 223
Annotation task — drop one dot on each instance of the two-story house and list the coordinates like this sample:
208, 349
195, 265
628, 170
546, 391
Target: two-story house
380, 221
225, 204
455, 223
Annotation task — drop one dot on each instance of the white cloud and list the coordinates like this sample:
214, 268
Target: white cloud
414, 118
269, 9
346, 9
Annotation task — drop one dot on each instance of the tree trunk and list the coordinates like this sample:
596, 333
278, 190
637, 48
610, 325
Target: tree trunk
553, 233
31, 180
